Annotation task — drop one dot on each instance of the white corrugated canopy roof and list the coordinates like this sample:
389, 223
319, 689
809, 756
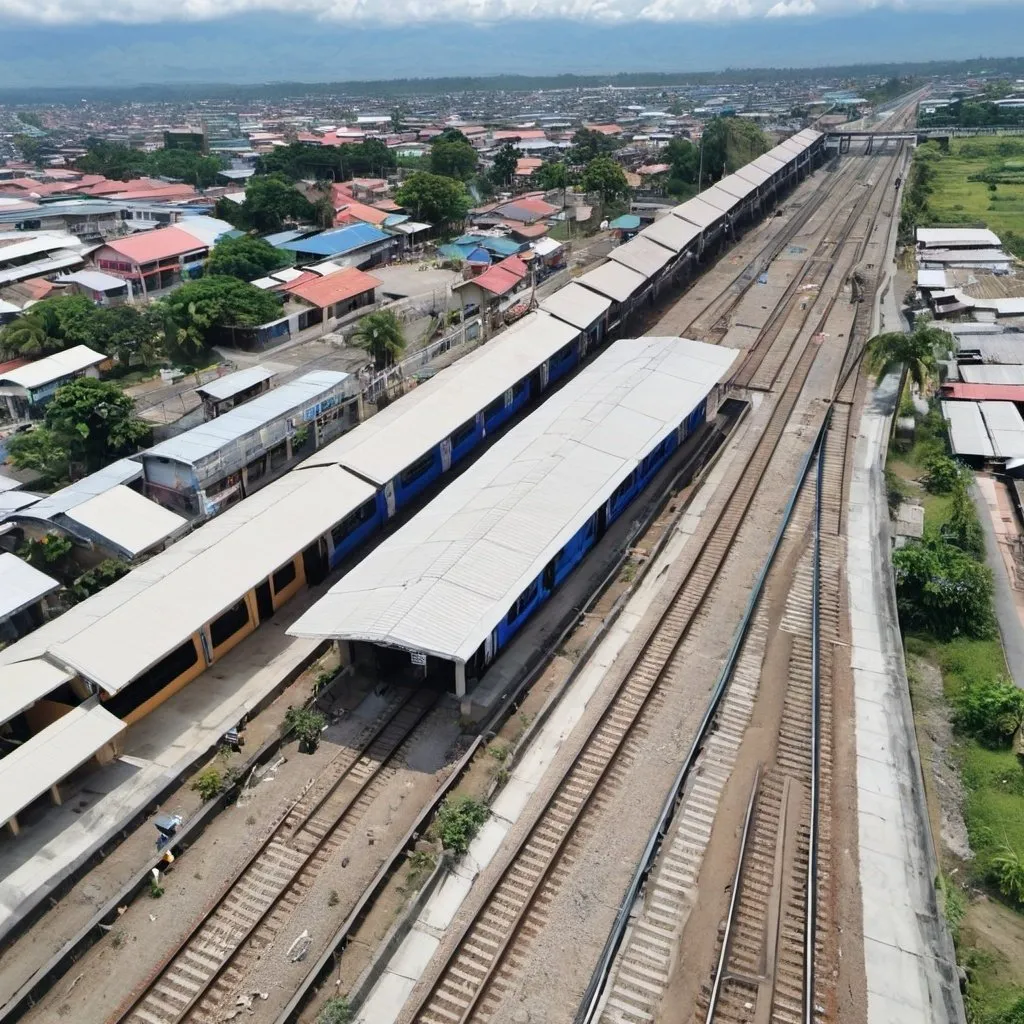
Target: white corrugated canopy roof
755, 175
53, 754
26, 683
576, 305
613, 279
443, 582
673, 232
696, 211
720, 199
234, 383
122, 471
950, 238
992, 373
115, 635
642, 255
967, 433
21, 585
736, 186
382, 446
127, 519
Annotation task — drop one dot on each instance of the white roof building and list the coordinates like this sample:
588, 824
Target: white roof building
53, 368
443, 582
957, 238
126, 521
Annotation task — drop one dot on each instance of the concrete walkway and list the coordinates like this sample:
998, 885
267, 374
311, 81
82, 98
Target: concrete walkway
909, 961
992, 503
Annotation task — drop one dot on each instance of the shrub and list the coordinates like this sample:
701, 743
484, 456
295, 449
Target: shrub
944, 474
458, 821
1008, 872
942, 590
208, 783
335, 1011
156, 890
991, 710
307, 726
962, 529
895, 491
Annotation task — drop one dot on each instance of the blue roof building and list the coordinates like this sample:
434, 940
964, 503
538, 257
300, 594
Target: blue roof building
500, 247
362, 243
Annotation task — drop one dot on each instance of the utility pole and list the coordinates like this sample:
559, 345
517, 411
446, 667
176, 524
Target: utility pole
700, 172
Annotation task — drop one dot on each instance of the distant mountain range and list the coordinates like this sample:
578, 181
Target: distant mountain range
261, 48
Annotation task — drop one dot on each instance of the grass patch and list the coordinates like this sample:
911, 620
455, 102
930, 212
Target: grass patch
958, 200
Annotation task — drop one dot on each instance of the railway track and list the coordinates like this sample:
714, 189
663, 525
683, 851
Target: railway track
778, 828
475, 978
203, 970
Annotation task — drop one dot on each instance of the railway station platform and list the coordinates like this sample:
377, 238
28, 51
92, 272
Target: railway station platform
157, 751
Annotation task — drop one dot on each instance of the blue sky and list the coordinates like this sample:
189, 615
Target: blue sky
62, 43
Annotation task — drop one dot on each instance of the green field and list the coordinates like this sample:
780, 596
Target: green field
957, 201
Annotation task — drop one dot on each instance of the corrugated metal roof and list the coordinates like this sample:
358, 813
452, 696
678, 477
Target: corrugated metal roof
331, 288
123, 471
720, 199
203, 441
672, 232
53, 754
14, 501
951, 238
1005, 428
983, 392
95, 280
576, 305
114, 636
770, 163
159, 244
613, 279
26, 683
232, 384
127, 520
755, 175
51, 368
442, 583
338, 241
735, 185
642, 255
59, 261
696, 211
21, 585
382, 446
993, 373
967, 433
931, 279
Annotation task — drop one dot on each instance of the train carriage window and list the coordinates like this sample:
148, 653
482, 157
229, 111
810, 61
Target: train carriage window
284, 576
464, 432
229, 623
353, 521
622, 488
154, 679
522, 602
563, 353
495, 407
417, 469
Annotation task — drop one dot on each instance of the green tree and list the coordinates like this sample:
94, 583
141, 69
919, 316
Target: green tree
605, 177
245, 257
50, 325
942, 591
451, 135
458, 821
729, 143
95, 422
504, 167
552, 175
962, 529
26, 336
944, 474
39, 450
915, 352
380, 334
991, 710
49, 554
99, 577
270, 201
441, 201
588, 145
131, 333
453, 159
683, 157
32, 148
194, 314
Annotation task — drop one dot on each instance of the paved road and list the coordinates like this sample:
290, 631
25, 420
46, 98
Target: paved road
1010, 628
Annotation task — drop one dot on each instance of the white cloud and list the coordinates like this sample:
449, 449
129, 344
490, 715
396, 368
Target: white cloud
791, 9
404, 12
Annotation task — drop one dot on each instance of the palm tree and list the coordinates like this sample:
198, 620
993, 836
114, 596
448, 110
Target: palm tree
914, 352
25, 336
380, 334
